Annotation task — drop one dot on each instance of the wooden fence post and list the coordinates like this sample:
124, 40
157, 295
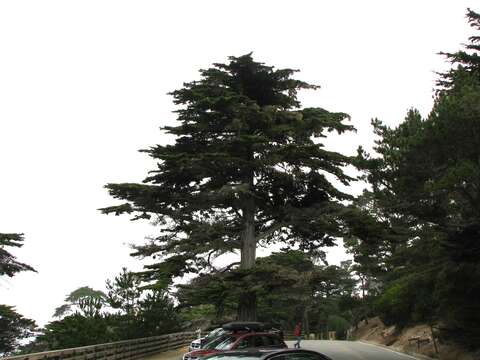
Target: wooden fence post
433, 339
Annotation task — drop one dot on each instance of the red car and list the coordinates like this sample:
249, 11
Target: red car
238, 341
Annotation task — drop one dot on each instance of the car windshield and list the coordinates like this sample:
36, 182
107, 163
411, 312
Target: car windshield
221, 343
214, 333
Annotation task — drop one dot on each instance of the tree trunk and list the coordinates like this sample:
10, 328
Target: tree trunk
306, 321
247, 305
433, 339
249, 245
363, 287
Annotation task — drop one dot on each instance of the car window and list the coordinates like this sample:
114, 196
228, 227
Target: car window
276, 341
226, 344
258, 341
216, 342
267, 341
243, 344
213, 334
273, 341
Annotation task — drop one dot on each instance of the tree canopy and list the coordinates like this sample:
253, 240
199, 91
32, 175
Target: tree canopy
9, 265
13, 326
290, 286
244, 170
425, 198
86, 317
84, 301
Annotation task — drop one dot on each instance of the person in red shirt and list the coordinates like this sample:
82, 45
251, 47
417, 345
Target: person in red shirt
297, 332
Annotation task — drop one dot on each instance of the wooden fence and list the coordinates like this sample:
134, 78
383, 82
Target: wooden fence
120, 350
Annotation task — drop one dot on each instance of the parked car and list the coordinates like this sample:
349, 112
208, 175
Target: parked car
282, 354
198, 343
238, 340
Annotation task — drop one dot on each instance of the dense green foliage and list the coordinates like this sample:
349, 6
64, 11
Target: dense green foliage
425, 201
9, 265
90, 316
247, 168
77, 330
124, 292
156, 316
290, 287
13, 326
244, 170
83, 301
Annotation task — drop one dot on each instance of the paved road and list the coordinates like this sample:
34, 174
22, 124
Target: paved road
337, 350
351, 350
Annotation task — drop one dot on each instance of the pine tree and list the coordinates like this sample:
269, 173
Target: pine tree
244, 170
426, 185
13, 326
9, 265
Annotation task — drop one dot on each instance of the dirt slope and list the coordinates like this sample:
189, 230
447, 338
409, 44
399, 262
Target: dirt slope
376, 332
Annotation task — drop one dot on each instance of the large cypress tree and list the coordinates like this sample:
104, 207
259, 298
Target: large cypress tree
244, 170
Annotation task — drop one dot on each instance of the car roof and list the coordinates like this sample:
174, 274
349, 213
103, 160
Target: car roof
241, 334
263, 353
298, 351
243, 353
244, 325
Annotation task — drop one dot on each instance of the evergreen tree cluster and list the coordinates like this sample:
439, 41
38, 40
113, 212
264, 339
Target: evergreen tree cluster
126, 311
248, 169
290, 285
424, 245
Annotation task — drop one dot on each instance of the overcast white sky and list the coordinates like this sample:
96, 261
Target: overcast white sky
83, 86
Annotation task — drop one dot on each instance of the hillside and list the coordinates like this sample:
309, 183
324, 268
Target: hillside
378, 333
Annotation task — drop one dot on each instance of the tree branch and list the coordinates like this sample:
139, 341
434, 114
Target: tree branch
270, 231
